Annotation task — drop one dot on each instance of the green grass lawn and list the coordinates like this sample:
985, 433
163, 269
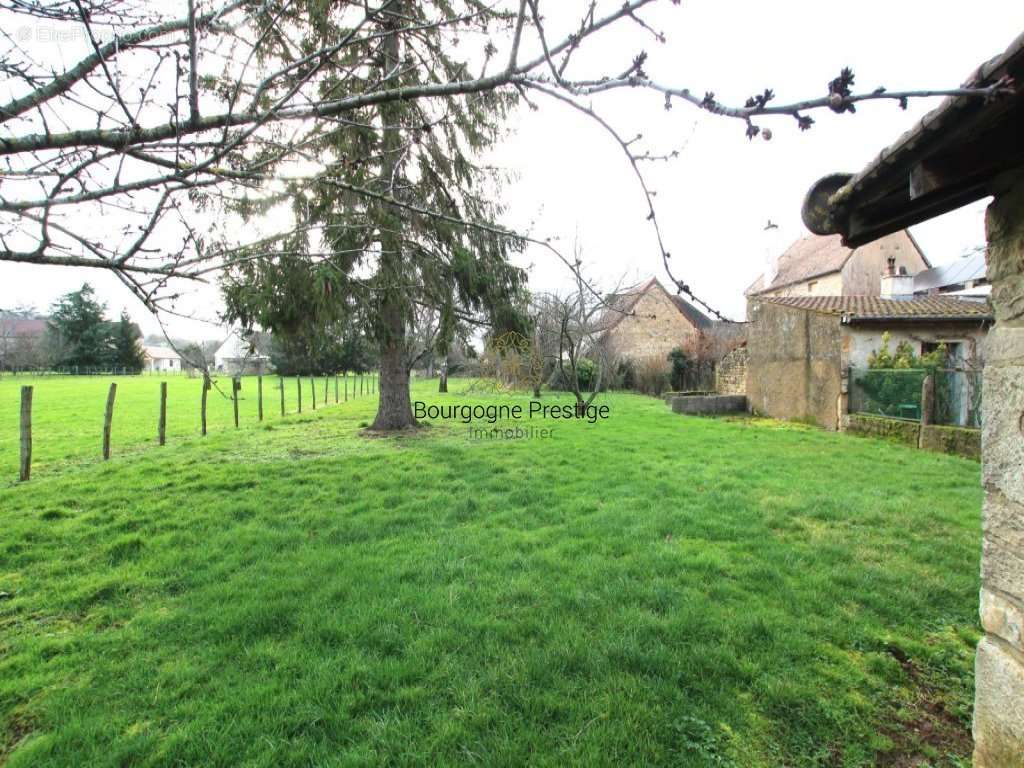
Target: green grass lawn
67, 413
650, 589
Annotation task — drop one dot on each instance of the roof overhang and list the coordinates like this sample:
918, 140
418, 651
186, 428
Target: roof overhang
966, 149
979, 320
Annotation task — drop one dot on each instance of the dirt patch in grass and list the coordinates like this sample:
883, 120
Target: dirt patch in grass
17, 729
925, 732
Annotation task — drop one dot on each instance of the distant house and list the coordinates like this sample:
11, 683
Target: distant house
801, 348
823, 266
20, 341
645, 321
243, 353
161, 360
964, 277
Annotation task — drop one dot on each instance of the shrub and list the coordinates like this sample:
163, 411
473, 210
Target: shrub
680, 362
586, 373
651, 376
893, 380
625, 375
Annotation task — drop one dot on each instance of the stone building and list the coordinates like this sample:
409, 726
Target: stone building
967, 149
731, 372
823, 266
801, 348
647, 322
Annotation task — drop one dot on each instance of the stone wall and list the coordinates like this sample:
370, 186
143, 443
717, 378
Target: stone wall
999, 667
731, 373
953, 440
700, 405
906, 432
655, 328
957, 441
795, 365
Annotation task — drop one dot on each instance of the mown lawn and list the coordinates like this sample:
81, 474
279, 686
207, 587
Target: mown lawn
649, 589
67, 412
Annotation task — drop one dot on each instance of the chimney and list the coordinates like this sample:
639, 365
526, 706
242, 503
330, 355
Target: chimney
897, 283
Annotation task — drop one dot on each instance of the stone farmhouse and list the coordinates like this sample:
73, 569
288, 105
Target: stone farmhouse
645, 321
823, 266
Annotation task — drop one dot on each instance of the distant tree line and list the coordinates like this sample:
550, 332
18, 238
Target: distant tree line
77, 334
322, 352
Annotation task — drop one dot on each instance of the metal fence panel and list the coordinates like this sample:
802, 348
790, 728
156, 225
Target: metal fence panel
896, 393
958, 398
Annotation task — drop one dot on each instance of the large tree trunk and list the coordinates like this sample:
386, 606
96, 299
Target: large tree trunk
394, 410
443, 385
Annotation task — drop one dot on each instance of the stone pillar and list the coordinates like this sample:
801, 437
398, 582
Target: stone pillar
999, 666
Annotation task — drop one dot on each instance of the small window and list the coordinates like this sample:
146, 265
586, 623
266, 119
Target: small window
811, 286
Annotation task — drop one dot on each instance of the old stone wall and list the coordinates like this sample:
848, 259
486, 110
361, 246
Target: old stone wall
999, 666
707, 404
654, 329
956, 441
731, 373
794, 370
906, 432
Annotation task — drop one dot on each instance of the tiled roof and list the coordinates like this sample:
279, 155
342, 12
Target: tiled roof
808, 257
160, 353
697, 318
875, 308
22, 326
816, 255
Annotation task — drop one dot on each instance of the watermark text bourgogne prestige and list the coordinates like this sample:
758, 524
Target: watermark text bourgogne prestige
492, 414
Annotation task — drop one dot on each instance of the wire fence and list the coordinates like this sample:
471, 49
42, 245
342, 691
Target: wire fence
898, 394
46, 422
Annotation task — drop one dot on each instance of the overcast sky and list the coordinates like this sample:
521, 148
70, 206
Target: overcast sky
715, 199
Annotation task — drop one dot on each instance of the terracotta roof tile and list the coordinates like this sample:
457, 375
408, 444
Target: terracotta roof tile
875, 308
814, 256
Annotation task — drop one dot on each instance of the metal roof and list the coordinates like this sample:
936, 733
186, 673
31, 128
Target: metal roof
965, 270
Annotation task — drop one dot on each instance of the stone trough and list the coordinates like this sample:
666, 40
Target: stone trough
705, 403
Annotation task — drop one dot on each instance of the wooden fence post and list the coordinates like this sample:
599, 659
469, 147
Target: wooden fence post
312, 389
235, 386
344, 376
162, 428
361, 379
26, 434
206, 392
327, 382
259, 395
336, 399
927, 406
281, 381
108, 419
298, 386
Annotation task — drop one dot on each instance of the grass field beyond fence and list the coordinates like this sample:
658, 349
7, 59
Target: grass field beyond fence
651, 589
67, 412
